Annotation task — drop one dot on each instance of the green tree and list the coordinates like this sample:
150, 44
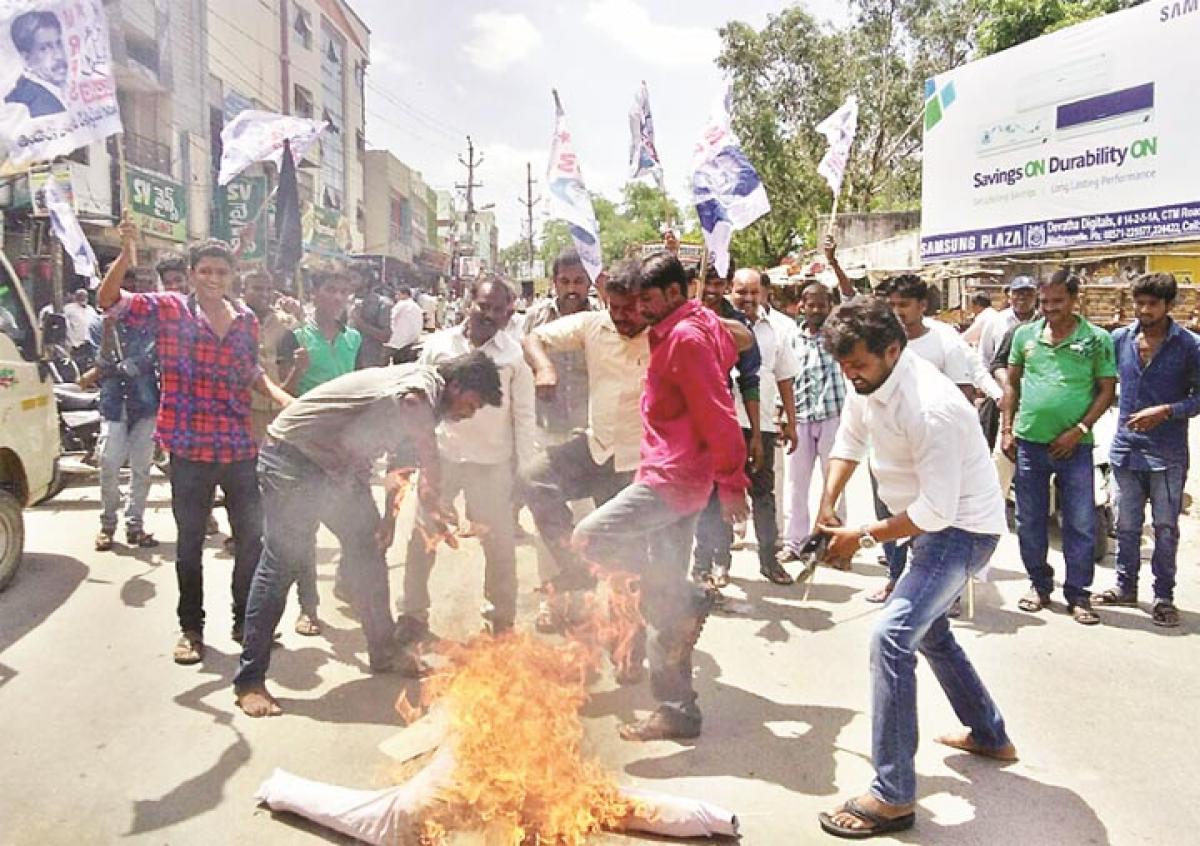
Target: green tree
1008, 23
632, 221
790, 75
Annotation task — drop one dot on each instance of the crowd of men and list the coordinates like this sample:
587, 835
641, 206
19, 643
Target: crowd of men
677, 404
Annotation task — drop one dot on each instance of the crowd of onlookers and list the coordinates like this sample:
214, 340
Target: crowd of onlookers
200, 364
643, 419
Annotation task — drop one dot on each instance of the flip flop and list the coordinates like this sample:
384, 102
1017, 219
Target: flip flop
877, 824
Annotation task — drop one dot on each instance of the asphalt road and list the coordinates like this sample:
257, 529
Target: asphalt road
104, 740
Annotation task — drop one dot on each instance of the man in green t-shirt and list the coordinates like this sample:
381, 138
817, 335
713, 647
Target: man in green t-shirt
1061, 378
324, 348
321, 350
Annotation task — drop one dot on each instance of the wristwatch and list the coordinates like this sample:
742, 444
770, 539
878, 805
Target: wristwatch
866, 540
1083, 427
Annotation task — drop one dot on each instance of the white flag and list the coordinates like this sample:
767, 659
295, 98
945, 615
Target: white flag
569, 199
255, 136
57, 86
838, 129
725, 187
643, 154
69, 232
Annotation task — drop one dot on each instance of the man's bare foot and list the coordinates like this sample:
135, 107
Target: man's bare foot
883, 593
865, 816
962, 740
256, 702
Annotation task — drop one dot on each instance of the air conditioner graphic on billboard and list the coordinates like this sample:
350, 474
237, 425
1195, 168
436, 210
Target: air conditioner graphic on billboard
1080, 137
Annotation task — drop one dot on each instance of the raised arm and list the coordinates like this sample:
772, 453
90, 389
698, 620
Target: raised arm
110, 288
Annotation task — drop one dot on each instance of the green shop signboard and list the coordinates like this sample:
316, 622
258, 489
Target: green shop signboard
241, 202
159, 206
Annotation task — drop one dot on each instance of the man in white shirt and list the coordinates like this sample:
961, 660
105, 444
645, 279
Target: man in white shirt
476, 458
942, 347
428, 304
985, 316
598, 463
912, 417
407, 322
776, 375
79, 315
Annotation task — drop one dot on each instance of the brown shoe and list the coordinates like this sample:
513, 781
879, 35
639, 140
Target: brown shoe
104, 541
189, 649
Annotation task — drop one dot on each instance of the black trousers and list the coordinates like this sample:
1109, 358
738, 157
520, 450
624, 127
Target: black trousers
193, 484
714, 537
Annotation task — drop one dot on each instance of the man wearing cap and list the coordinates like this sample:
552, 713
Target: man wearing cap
1022, 303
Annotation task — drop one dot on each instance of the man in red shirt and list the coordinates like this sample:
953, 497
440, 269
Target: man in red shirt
691, 441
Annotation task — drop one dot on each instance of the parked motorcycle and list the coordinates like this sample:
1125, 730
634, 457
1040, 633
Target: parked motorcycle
78, 408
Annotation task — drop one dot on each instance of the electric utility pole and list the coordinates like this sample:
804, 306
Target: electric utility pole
529, 202
470, 163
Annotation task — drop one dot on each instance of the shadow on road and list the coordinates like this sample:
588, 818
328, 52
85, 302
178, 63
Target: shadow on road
206, 790
775, 605
370, 700
1008, 808
42, 585
750, 736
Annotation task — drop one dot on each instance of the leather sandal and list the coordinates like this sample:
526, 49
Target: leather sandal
1083, 614
1115, 598
1034, 601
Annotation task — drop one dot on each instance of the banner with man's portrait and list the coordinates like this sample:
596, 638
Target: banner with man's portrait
58, 89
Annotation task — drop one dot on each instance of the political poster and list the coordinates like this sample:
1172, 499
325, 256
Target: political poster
1081, 138
57, 85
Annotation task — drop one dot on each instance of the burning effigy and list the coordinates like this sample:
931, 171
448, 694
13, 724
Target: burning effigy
498, 750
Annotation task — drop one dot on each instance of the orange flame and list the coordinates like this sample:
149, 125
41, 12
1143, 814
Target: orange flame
520, 771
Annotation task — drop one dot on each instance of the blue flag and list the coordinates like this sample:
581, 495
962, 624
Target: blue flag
725, 187
569, 198
643, 154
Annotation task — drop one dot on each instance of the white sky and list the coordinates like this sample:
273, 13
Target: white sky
441, 70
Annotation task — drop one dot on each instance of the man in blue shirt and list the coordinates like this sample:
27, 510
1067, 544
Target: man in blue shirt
127, 371
1158, 363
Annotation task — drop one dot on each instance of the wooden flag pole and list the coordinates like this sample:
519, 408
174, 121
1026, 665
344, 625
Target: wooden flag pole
123, 188
833, 212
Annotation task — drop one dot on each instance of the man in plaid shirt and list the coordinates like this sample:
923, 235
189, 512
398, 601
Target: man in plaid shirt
208, 360
820, 395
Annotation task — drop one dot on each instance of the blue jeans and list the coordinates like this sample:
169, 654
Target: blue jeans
913, 619
1164, 491
121, 441
298, 496
637, 531
193, 485
1077, 502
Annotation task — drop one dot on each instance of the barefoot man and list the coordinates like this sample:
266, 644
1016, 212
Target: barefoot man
936, 477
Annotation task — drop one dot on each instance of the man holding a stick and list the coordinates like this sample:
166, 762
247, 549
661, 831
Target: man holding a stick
911, 416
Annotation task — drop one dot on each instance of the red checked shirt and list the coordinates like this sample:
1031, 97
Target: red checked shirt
205, 410
692, 437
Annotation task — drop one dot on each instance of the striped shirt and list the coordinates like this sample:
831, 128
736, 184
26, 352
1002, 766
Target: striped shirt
820, 387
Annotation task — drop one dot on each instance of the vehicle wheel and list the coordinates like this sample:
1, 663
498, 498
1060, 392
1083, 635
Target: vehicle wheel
12, 537
1104, 525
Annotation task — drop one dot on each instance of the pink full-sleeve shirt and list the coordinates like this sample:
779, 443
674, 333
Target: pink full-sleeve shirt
692, 437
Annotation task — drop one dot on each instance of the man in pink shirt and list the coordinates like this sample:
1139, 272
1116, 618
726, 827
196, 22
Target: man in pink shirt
691, 441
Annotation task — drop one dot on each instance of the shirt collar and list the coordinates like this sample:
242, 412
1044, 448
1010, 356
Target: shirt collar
884, 393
